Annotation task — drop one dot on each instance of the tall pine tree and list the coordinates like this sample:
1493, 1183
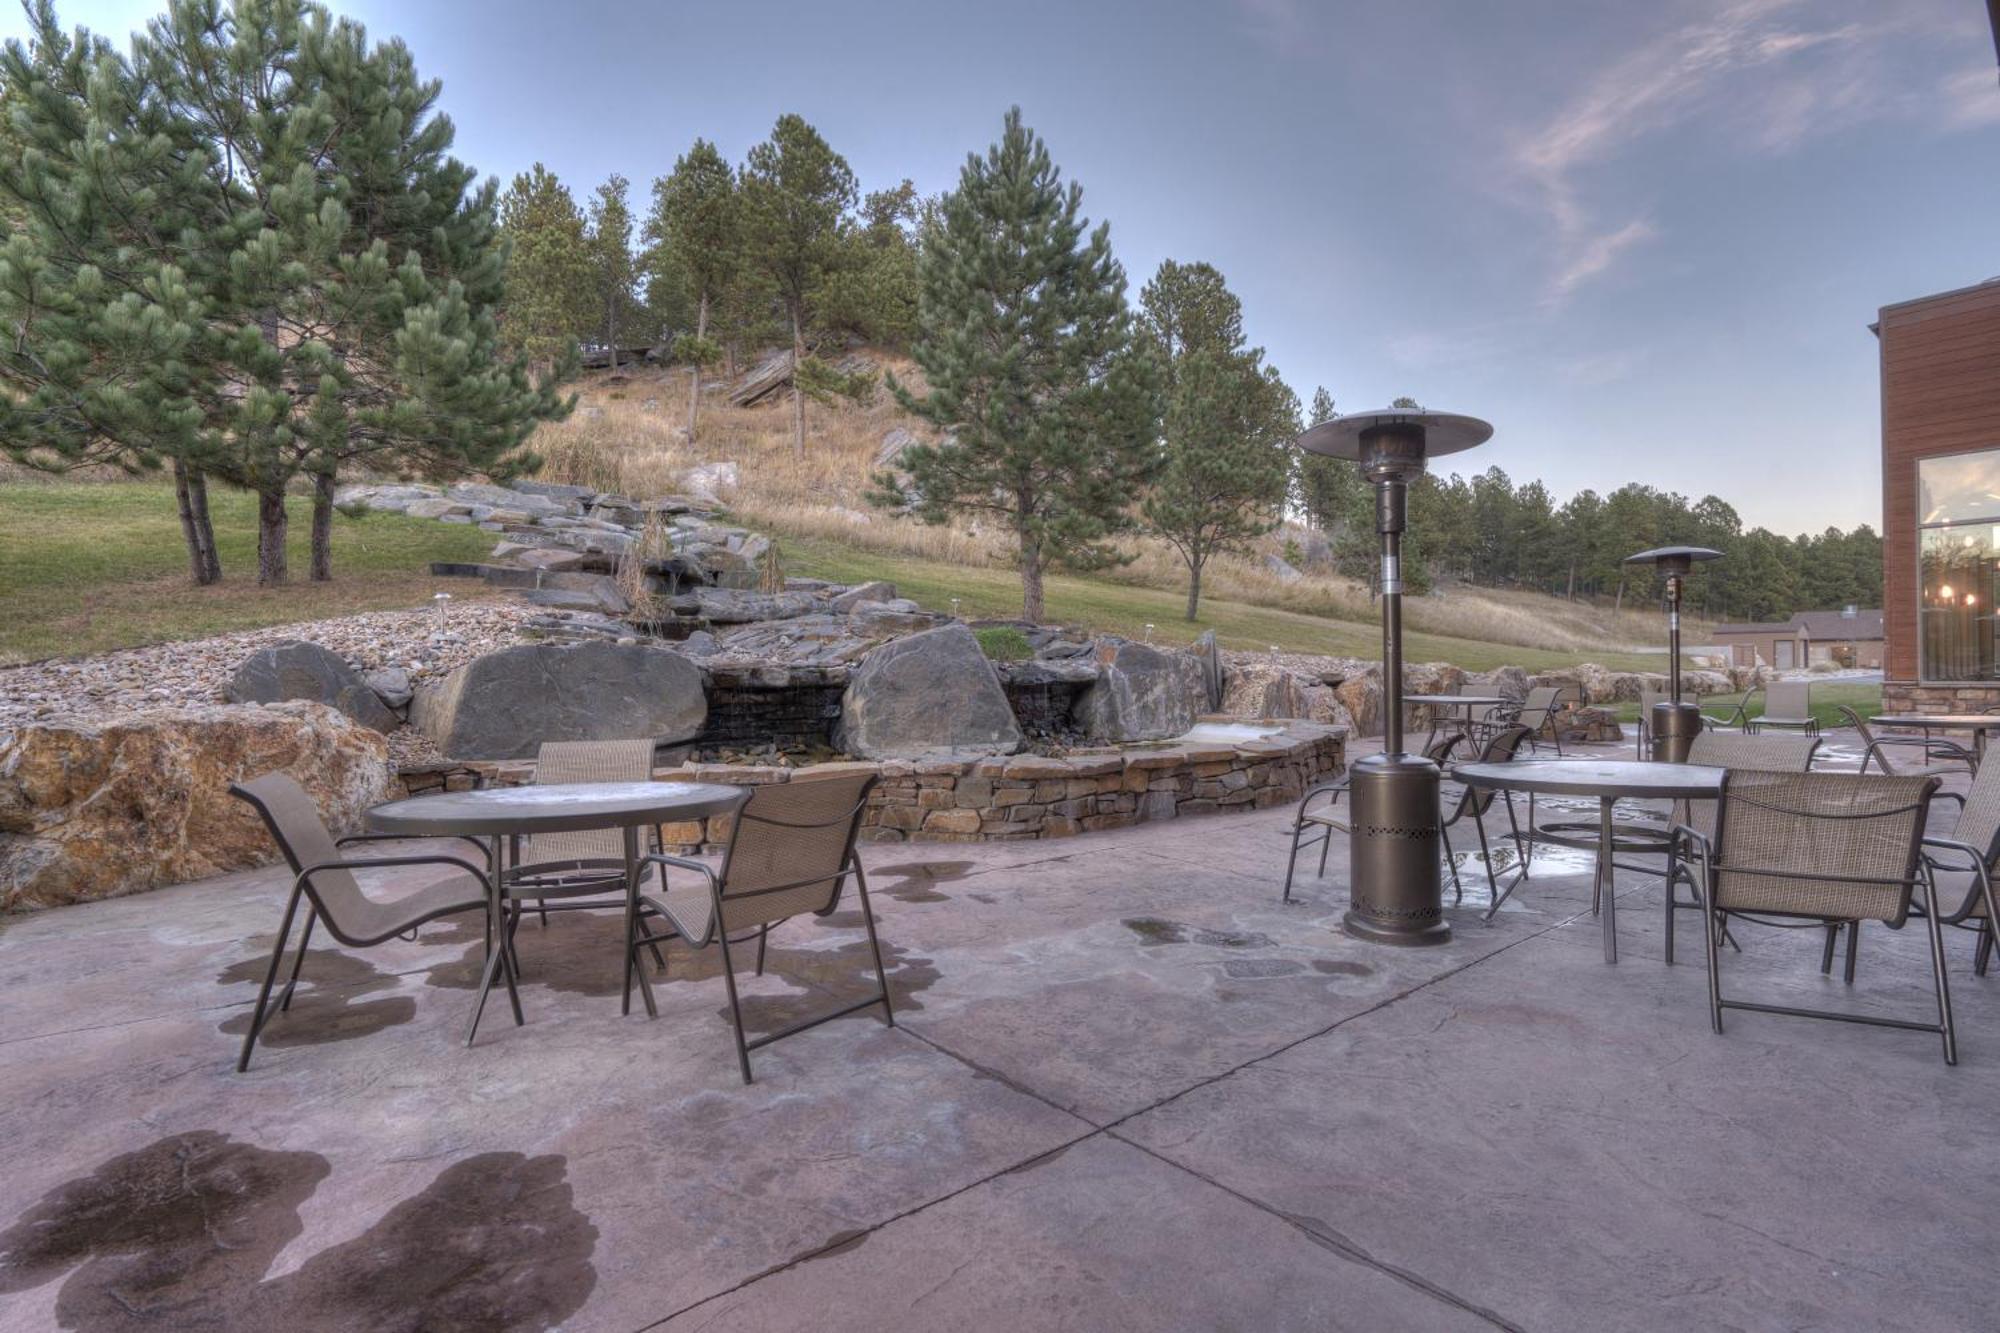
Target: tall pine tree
614, 272
1048, 409
549, 277
695, 234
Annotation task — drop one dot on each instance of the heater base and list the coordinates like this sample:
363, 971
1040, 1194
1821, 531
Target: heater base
1395, 883
1675, 725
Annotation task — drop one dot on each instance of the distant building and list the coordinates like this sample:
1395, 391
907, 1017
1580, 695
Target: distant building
1850, 637
1941, 499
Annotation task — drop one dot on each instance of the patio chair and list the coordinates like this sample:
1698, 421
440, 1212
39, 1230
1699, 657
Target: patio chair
576, 869
1537, 713
791, 852
1812, 849
325, 878
1327, 818
1736, 752
1973, 849
1458, 801
1738, 716
1952, 757
1787, 704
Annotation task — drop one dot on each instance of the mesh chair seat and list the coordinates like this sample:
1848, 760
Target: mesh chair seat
1827, 845
372, 920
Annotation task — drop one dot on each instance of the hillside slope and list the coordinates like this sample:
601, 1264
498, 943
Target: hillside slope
629, 435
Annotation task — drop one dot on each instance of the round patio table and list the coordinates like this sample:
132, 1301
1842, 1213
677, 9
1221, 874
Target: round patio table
498, 813
1977, 723
1609, 781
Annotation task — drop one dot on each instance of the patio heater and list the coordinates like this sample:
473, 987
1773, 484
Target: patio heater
1675, 723
1395, 890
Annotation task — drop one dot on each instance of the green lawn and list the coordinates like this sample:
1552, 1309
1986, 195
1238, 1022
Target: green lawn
1127, 610
1864, 698
88, 567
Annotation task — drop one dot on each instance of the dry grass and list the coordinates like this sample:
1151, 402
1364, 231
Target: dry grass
628, 435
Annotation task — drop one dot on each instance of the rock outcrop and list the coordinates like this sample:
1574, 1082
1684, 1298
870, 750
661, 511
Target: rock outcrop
301, 670
99, 809
1265, 691
928, 695
505, 704
1142, 694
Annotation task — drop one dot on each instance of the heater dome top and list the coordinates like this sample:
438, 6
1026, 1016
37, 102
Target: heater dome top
1661, 555
1444, 432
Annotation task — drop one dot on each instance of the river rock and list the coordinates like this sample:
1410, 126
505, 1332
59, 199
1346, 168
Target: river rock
505, 704
1142, 694
97, 809
301, 670
929, 695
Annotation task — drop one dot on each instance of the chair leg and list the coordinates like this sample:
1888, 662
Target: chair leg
1826, 954
1950, 1033
735, 1006
1853, 948
312, 919
1984, 953
1713, 923
1451, 864
270, 979
1292, 864
763, 934
1667, 892
1325, 846
1486, 855
875, 947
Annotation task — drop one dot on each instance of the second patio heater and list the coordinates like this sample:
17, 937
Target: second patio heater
1394, 886
1674, 723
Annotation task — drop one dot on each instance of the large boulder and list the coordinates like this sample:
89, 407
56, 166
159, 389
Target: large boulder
301, 670
929, 695
505, 704
1361, 695
1142, 694
1507, 682
1261, 691
95, 809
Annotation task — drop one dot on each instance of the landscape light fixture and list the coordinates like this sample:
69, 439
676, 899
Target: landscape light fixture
1675, 724
1395, 890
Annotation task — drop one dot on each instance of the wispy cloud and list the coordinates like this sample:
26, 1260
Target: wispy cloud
1590, 255
1972, 98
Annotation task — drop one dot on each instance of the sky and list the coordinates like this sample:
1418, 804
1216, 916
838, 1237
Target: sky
1644, 238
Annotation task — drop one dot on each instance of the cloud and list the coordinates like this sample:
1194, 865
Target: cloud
1587, 257
1972, 98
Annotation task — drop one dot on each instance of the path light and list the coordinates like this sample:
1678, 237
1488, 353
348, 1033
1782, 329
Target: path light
954, 608
1394, 889
1675, 724
1149, 632
440, 601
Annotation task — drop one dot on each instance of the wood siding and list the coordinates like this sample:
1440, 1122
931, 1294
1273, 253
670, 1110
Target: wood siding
1940, 395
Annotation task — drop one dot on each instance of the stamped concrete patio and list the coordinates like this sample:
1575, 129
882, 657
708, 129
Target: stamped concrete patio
1127, 1090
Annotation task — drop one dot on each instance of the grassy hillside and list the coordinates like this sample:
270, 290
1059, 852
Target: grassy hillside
89, 566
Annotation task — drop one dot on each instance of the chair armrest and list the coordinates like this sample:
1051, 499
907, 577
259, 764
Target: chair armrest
1965, 849
663, 860
485, 853
372, 863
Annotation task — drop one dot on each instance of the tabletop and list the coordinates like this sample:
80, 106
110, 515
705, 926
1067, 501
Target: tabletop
1957, 721
1473, 700
556, 807
1606, 779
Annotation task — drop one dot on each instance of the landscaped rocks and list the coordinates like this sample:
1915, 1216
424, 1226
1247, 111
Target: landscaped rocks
503, 705
875, 591
96, 809
301, 670
930, 694
1261, 691
1142, 694
391, 684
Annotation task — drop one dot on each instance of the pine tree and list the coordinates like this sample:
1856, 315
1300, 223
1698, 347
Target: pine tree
1049, 410
548, 267
695, 236
614, 272
873, 292
1229, 422
256, 258
796, 195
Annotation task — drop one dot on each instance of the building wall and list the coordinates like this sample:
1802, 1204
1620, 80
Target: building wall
1940, 395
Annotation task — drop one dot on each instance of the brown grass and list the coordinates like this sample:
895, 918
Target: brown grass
627, 435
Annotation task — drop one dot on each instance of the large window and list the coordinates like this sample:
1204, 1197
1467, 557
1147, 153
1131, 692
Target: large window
1958, 508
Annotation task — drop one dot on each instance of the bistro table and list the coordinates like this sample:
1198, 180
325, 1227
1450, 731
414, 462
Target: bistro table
1438, 705
498, 813
1976, 723
1609, 781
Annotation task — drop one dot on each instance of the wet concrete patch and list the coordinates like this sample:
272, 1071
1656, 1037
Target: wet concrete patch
1336, 967
1154, 931
328, 1004
915, 881
1257, 969
832, 977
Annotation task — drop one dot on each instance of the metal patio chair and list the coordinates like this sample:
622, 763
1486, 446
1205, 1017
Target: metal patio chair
1949, 756
1537, 713
791, 852
578, 870
1458, 801
1787, 704
1738, 716
1328, 818
1971, 848
1813, 849
325, 878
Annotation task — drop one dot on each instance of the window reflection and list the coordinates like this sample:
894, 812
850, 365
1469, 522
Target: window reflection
1961, 574
1958, 489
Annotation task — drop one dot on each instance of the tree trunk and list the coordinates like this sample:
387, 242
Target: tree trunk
191, 492
1031, 579
271, 538
1194, 587
322, 529
798, 394
1618, 602
694, 381
1572, 581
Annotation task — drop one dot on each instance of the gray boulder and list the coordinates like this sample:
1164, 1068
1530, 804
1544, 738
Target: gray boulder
505, 704
551, 490
893, 445
301, 670
929, 695
886, 619
876, 591
1141, 694
391, 685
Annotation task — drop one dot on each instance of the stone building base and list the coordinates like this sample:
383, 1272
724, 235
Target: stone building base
1905, 696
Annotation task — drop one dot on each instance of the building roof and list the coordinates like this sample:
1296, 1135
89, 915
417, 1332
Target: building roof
1822, 625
